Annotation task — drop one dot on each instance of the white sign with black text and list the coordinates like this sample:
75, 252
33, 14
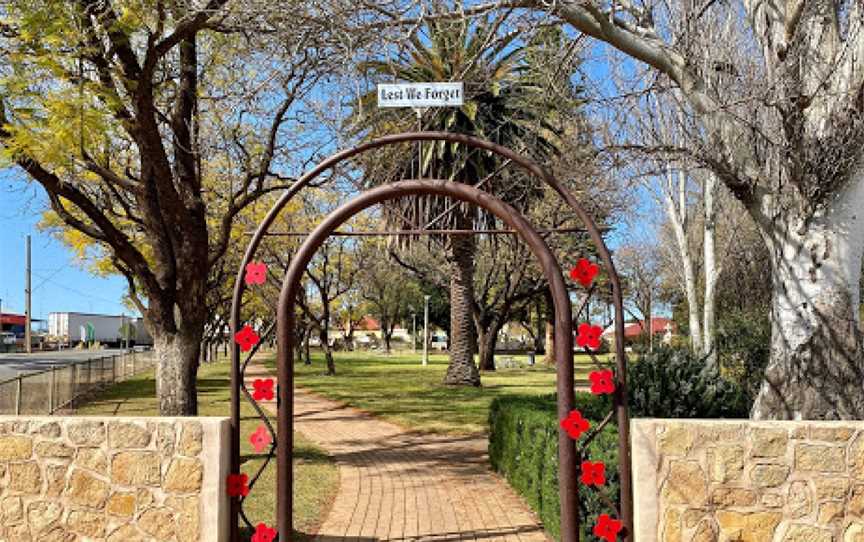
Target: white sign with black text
420, 95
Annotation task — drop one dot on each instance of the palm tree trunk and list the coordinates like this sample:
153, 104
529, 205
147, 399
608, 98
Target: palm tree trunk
463, 339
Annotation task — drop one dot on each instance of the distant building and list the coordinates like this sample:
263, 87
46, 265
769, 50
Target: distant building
663, 327
15, 323
77, 327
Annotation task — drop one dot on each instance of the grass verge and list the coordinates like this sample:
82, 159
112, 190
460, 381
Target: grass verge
316, 478
398, 388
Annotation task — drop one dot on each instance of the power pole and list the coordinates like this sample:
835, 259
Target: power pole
27, 309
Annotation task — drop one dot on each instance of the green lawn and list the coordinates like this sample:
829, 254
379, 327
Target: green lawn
316, 478
400, 389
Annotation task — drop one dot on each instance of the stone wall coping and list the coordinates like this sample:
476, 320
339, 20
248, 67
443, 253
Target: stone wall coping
205, 419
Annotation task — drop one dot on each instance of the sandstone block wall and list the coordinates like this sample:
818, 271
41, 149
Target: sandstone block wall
712, 480
71, 479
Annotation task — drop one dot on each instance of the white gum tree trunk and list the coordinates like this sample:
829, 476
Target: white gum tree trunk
712, 272
816, 368
677, 214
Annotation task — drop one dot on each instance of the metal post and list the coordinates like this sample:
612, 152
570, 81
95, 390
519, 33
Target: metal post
133, 363
426, 330
18, 397
28, 314
113, 368
414, 334
51, 390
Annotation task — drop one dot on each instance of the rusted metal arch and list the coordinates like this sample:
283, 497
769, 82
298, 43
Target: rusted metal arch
285, 333
620, 397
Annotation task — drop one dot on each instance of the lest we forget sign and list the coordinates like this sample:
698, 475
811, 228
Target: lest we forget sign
420, 95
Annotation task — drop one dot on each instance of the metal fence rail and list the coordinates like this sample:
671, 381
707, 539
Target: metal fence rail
57, 388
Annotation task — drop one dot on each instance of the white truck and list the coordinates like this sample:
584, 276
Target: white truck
71, 328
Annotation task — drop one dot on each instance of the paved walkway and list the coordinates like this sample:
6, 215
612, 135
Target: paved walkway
401, 485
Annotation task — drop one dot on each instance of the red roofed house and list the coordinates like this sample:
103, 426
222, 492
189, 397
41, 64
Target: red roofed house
664, 327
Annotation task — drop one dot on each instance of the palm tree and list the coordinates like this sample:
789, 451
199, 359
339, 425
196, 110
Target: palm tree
503, 103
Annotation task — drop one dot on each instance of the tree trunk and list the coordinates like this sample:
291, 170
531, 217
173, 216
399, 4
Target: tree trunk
816, 369
678, 218
177, 356
549, 343
487, 340
324, 336
463, 340
709, 348
388, 336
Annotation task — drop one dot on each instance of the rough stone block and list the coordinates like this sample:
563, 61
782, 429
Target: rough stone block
184, 475
748, 526
86, 523
86, 433
685, 484
25, 478
128, 435
136, 468
820, 458
769, 475
768, 442
85, 489
800, 532
15, 447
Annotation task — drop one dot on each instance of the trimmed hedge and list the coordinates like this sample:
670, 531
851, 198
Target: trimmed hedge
523, 446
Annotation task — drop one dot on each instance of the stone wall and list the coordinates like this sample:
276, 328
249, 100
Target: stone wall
712, 480
69, 479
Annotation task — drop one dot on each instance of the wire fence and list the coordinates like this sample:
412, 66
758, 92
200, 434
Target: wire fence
58, 388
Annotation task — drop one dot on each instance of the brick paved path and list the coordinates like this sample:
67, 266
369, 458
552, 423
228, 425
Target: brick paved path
401, 485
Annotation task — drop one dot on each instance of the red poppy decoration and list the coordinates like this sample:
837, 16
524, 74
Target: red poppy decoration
593, 474
607, 528
574, 424
263, 533
246, 338
256, 273
260, 439
263, 389
602, 382
589, 336
238, 485
584, 272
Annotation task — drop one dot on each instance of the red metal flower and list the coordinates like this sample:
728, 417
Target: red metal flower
260, 439
237, 485
574, 424
589, 336
593, 474
263, 533
256, 273
584, 272
602, 382
607, 528
263, 389
246, 338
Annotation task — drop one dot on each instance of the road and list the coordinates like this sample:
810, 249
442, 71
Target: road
12, 364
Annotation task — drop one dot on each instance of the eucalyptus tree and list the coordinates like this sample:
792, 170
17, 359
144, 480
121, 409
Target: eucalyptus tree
777, 91
151, 126
505, 102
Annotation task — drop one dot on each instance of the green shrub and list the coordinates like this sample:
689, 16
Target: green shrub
674, 383
744, 348
523, 446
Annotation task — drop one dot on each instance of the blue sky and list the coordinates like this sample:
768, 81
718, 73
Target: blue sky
59, 283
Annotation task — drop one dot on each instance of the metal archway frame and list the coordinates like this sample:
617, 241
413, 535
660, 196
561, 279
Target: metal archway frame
620, 395
285, 333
